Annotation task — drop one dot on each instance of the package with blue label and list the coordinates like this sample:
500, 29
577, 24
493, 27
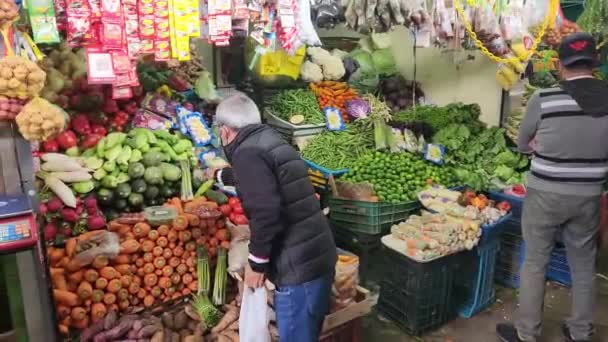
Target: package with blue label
181, 114
197, 129
434, 153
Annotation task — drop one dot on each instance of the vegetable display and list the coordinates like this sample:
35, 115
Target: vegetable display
481, 160
398, 177
297, 106
133, 265
400, 94
339, 150
334, 94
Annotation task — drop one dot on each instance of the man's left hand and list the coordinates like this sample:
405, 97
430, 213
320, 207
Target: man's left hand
253, 279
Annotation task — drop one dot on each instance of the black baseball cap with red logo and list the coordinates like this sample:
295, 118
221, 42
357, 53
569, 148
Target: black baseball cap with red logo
578, 47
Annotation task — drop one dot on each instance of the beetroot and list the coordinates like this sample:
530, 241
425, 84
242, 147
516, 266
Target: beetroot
54, 204
50, 231
69, 215
95, 222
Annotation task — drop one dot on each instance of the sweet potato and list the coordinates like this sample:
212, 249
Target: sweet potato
87, 334
228, 318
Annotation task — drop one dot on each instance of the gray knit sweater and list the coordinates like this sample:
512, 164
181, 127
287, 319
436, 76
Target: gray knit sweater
570, 145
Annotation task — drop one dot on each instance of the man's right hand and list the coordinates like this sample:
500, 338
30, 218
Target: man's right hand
253, 279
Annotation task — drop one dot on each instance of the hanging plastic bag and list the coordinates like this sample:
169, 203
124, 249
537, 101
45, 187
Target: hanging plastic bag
253, 322
102, 244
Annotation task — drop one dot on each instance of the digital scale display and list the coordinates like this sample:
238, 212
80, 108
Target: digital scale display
15, 231
17, 226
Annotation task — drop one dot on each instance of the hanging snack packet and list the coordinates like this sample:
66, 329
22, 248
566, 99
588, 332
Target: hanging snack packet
182, 114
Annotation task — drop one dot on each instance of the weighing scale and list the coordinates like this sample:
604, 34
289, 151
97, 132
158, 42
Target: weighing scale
25, 291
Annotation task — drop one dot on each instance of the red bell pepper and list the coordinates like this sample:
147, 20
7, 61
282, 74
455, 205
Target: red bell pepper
99, 130
91, 140
80, 124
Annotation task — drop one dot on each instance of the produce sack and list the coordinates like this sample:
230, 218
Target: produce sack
253, 321
344, 288
104, 244
356, 192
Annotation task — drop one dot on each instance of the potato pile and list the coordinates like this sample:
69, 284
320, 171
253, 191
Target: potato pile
39, 120
8, 12
20, 78
10, 107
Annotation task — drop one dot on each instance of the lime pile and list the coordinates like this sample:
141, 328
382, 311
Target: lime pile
398, 177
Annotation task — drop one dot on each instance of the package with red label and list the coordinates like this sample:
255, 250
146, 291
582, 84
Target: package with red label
78, 23
111, 11
146, 119
100, 67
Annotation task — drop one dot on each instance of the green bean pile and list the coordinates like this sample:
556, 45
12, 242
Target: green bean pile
341, 149
288, 103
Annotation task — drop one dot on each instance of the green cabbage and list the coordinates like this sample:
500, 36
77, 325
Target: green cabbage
384, 62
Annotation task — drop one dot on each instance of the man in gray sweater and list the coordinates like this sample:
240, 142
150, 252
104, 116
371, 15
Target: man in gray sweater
566, 129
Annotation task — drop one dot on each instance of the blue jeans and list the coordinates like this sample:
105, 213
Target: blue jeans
301, 309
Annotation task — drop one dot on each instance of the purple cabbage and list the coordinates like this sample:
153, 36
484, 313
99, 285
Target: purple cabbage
357, 108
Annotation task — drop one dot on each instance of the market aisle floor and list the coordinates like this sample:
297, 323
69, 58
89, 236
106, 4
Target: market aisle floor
481, 327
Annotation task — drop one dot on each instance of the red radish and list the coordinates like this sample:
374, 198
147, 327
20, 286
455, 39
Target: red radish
95, 222
90, 140
67, 139
90, 202
42, 209
80, 124
54, 204
50, 146
79, 210
50, 231
99, 130
66, 229
92, 211
69, 215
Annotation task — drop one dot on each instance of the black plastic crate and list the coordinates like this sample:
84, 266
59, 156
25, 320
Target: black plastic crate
417, 296
366, 246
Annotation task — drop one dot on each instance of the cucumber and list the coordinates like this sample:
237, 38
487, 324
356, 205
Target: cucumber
216, 196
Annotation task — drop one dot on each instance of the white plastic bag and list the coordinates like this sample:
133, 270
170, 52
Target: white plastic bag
253, 322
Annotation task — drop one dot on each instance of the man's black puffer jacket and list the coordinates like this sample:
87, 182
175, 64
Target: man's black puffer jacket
287, 225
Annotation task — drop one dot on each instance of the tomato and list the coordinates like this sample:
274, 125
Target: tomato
240, 220
237, 209
232, 217
225, 209
233, 201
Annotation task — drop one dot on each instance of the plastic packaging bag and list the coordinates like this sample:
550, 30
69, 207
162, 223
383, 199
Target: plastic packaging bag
344, 288
253, 323
306, 31
104, 244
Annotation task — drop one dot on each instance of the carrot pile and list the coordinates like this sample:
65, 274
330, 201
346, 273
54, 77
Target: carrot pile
153, 265
334, 94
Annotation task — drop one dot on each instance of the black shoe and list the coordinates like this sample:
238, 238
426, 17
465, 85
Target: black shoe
568, 336
507, 333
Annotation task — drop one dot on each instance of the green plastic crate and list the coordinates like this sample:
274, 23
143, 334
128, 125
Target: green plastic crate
369, 217
344, 206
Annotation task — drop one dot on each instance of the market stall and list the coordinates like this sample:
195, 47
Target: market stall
110, 110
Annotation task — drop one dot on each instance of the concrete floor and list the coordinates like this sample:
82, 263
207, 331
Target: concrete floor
481, 328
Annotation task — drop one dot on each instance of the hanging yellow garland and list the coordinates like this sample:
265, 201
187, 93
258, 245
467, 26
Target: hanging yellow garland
549, 20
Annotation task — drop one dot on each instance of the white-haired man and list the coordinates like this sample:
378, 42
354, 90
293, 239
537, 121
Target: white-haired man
291, 241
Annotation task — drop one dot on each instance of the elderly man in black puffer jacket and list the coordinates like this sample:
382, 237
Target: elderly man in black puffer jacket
291, 241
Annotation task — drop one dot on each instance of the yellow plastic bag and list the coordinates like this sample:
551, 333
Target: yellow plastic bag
280, 63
